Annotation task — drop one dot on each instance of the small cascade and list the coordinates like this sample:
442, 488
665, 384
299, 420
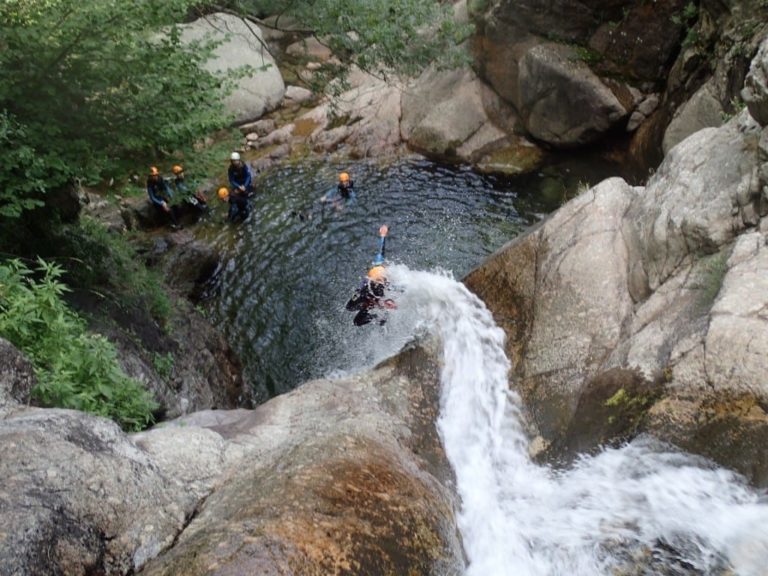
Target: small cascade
644, 508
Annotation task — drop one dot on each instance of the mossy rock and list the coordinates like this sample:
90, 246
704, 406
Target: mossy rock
512, 160
611, 409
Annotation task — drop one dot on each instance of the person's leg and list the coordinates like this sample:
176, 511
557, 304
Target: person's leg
232, 213
175, 215
363, 317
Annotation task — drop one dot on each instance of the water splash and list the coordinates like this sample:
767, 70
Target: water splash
641, 509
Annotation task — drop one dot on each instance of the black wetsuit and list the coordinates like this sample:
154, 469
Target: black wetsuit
366, 298
346, 192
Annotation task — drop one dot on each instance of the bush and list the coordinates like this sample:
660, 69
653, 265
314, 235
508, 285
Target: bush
74, 369
108, 260
87, 85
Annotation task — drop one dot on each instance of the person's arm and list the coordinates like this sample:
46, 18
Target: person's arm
166, 188
231, 176
330, 195
383, 231
248, 176
152, 192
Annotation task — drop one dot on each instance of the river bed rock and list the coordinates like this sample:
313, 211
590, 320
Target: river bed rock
660, 283
16, 376
336, 477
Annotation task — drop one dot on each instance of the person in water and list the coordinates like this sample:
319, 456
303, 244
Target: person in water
368, 299
343, 193
241, 184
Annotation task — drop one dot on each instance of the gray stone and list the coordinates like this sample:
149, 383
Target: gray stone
17, 377
297, 94
371, 111
737, 339
242, 45
702, 110
261, 127
631, 288
310, 48
322, 475
755, 92
560, 100
79, 497
442, 111
643, 110
187, 264
343, 471
687, 205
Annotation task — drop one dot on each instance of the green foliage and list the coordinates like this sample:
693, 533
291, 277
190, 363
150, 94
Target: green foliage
629, 408
74, 369
587, 55
108, 260
691, 11
383, 37
25, 12
163, 364
691, 38
712, 273
22, 172
687, 19
86, 84
734, 108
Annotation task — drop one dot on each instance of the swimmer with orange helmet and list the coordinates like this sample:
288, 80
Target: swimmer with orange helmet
370, 294
342, 194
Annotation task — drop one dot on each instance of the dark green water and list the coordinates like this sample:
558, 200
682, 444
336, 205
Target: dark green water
280, 296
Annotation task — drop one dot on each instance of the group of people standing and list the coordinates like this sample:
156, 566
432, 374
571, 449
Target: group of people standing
240, 190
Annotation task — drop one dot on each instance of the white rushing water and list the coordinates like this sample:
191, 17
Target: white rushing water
643, 504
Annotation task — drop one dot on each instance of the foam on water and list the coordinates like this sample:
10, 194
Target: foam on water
643, 502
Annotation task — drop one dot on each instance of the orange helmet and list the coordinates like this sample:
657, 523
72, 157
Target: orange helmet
177, 169
377, 274
153, 171
223, 193
344, 177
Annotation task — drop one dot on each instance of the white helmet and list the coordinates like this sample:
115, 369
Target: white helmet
234, 156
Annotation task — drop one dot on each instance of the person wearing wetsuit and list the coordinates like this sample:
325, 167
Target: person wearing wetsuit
345, 189
369, 296
241, 183
343, 193
196, 199
160, 195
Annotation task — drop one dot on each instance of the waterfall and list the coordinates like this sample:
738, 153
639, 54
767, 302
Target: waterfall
643, 505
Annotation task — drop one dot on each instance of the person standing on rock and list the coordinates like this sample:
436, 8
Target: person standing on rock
160, 196
241, 183
370, 294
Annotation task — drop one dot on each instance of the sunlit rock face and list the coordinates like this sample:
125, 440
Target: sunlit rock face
337, 477
645, 305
